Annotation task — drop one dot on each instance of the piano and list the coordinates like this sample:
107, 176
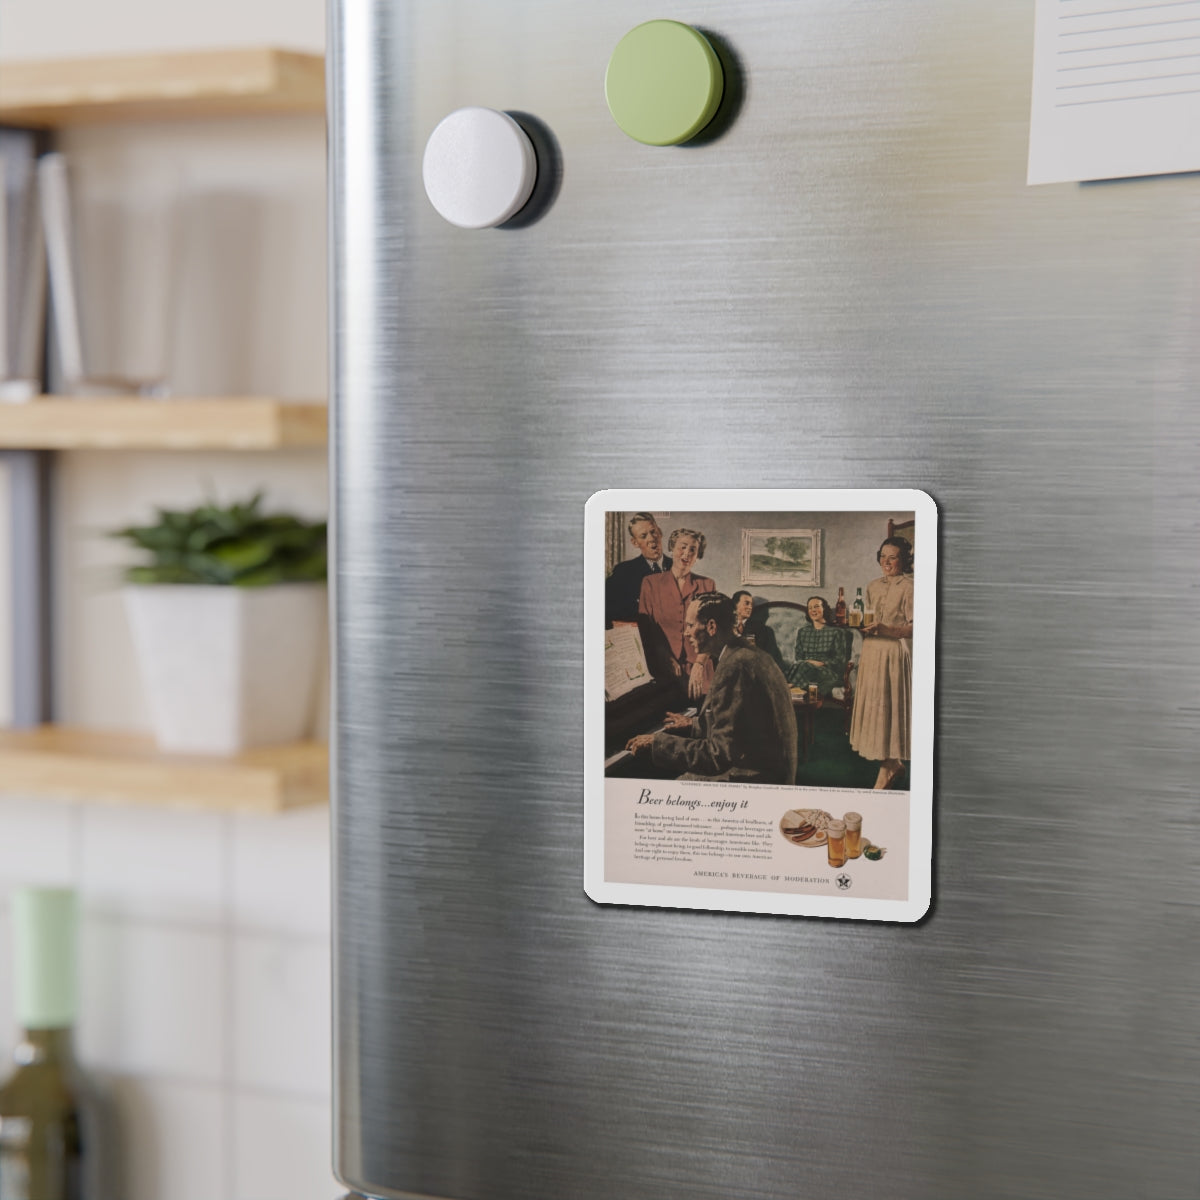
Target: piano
644, 710
639, 692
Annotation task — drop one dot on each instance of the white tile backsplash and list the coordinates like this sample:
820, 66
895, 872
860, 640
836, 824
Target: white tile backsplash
281, 1015
153, 863
282, 1150
8, 1016
204, 988
38, 842
281, 872
155, 1000
171, 1140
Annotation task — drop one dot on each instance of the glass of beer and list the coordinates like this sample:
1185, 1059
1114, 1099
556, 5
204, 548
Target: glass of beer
853, 823
835, 832
812, 693
855, 618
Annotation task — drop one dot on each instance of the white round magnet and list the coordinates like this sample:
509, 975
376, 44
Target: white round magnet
479, 168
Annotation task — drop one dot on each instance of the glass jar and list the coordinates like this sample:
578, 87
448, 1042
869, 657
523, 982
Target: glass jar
853, 823
835, 832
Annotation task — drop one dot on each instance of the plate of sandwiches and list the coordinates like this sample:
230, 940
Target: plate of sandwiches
805, 826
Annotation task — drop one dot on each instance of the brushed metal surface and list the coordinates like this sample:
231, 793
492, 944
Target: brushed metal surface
852, 287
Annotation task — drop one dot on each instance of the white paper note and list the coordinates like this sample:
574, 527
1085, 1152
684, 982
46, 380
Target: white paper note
1116, 89
624, 661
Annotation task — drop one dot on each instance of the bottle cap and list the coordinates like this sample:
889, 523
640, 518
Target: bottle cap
44, 924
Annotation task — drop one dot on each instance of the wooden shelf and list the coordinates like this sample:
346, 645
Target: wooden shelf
227, 423
79, 764
217, 83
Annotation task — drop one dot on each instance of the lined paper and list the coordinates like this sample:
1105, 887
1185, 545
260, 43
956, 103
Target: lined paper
1116, 89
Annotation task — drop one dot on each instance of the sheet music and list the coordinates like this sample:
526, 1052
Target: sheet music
624, 661
1116, 89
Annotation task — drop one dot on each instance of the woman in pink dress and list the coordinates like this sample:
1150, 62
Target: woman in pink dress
661, 607
881, 723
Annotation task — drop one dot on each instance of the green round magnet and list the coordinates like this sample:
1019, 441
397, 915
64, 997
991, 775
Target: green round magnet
664, 83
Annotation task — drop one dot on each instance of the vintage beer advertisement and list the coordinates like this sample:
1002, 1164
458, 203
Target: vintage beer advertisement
759, 675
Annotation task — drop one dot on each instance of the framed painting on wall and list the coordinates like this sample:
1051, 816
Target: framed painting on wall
782, 557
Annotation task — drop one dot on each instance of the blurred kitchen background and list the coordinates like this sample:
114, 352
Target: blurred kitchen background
205, 938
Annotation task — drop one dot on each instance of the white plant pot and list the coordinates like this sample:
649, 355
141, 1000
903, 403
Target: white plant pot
227, 668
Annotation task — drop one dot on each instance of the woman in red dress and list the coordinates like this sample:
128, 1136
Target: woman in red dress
661, 607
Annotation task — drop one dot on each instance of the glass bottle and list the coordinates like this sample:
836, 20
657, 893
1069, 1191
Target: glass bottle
41, 1107
858, 608
839, 611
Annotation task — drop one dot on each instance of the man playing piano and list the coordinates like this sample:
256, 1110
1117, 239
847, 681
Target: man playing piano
745, 731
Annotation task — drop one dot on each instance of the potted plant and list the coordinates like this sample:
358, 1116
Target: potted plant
228, 622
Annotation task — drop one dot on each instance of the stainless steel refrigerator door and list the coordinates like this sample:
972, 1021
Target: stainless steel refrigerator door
852, 286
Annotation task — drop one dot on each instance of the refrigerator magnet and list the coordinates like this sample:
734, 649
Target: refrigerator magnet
759, 675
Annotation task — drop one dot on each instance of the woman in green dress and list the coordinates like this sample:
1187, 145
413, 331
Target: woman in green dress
822, 650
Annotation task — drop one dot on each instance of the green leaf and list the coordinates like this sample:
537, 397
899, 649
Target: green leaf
261, 577
161, 574
236, 544
243, 553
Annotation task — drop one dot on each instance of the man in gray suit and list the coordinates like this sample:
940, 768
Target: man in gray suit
745, 731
